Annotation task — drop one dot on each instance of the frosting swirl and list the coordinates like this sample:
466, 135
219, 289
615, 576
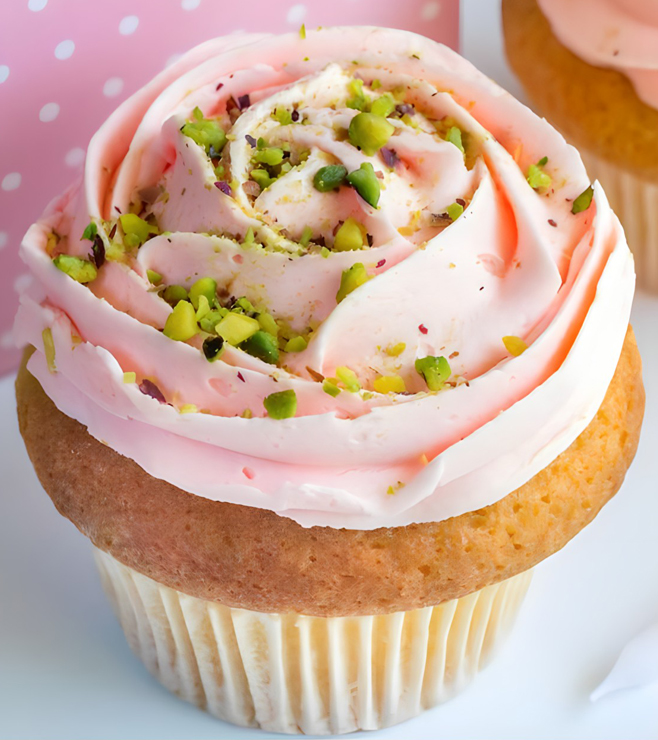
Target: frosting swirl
619, 34
344, 277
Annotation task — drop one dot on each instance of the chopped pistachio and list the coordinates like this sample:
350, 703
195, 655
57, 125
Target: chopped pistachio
247, 414
82, 271
348, 378
296, 344
537, 178
351, 279
281, 405
203, 308
130, 377
90, 232
454, 211
136, 230
155, 278
213, 348
307, 235
324, 252
209, 320
181, 323
389, 384
174, 293
396, 350
583, 201
235, 328
330, 177
358, 100
302, 31
262, 177
369, 132
49, 349
188, 408
204, 287
206, 133
435, 371
350, 236
383, 106
390, 491
329, 386
249, 237
263, 345
375, 84
454, 136
283, 116
267, 323
515, 345
365, 182
271, 156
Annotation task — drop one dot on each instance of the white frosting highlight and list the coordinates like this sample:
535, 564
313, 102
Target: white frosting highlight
620, 34
517, 262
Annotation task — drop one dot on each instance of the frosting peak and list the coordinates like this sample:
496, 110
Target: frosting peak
349, 265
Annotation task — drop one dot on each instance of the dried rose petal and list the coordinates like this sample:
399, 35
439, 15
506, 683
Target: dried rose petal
241, 377
251, 141
224, 187
149, 388
405, 109
390, 157
220, 85
422, 329
98, 251
244, 101
381, 263
251, 188
295, 115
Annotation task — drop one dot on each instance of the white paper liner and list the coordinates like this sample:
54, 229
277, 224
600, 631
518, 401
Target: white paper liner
299, 674
635, 201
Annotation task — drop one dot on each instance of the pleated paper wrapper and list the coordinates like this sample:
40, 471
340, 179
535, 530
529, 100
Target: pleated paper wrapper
299, 674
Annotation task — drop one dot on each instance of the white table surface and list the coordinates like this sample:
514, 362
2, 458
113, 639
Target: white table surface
66, 671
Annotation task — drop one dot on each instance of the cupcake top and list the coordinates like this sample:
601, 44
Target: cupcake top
619, 34
340, 275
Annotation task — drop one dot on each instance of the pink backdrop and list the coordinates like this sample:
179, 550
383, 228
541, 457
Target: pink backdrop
66, 64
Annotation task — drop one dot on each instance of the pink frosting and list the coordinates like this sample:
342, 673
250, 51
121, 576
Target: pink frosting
620, 34
517, 263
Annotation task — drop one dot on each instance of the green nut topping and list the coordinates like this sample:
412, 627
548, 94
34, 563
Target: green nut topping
205, 133
454, 136
267, 323
271, 156
262, 345
435, 371
329, 178
383, 106
281, 405
583, 201
351, 279
204, 287
262, 177
155, 278
49, 349
369, 132
283, 116
329, 386
455, 210
296, 344
537, 178
348, 378
90, 232
181, 323
82, 271
209, 320
365, 182
307, 235
174, 293
351, 235
358, 100
136, 230
236, 328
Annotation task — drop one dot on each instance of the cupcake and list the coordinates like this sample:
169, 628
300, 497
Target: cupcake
591, 67
327, 350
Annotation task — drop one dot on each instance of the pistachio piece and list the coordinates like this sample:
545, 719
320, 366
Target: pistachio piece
389, 384
329, 178
383, 106
515, 345
82, 271
296, 344
350, 236
281, 405
583, 201
206, 133
204, 287
537, 178
348, 378
181, 323
263, 345
351, 279
136, 230
369, 132
174, 293
435, 371
235, 328
365, 182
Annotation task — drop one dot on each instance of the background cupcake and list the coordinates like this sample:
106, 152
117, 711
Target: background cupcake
591, 67
140, 368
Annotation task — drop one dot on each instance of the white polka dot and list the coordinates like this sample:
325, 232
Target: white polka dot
113, 87
37, 5
11, 181
49, 112
64, 49
190, 4
430, 10
4, 238
22, 282
296, 14
74, 157
7, 340
173, 59
4, 72
128, 25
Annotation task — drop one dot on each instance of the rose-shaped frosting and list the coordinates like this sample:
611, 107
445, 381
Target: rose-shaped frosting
620, 34
442, 324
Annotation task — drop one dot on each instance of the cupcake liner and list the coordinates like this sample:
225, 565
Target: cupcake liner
298, 674
635, 201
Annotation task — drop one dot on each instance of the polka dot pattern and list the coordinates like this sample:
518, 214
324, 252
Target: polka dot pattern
84, 58
64, 49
